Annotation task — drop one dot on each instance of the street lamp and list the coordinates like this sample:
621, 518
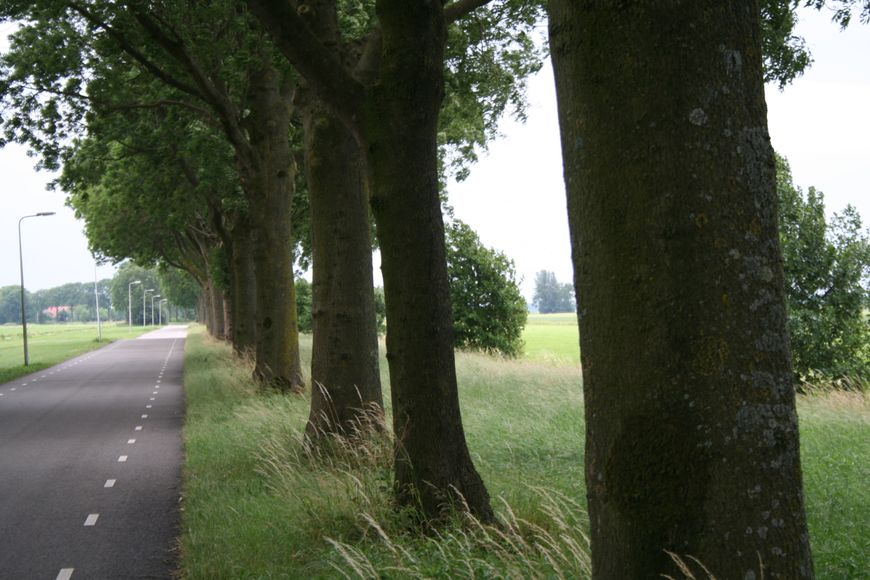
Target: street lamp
144, 293
130, 300
97, 301
160, 311
21, 262
152, 307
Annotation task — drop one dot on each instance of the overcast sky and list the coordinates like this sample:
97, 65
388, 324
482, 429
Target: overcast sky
515, 197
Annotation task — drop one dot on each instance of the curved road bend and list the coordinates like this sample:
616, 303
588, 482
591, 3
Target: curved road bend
90, 464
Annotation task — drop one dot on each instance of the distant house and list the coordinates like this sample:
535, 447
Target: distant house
54, 311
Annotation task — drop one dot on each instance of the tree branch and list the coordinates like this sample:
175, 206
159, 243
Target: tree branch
209, 91
206, 114
135, 53
319, 65
462, 8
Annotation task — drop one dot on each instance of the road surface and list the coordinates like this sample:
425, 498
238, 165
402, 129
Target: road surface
90, 464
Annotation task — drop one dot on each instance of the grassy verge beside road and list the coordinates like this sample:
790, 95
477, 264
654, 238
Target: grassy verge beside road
50, 344
257, 505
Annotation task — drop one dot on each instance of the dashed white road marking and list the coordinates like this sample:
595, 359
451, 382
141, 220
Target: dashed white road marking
151, 398
138, 428
65, 574
12, 389
92, 520
122, 459
148, 406
144, 416
155, 392
131, 441
110, 483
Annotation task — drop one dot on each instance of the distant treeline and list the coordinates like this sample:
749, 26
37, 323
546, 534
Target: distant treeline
77, 301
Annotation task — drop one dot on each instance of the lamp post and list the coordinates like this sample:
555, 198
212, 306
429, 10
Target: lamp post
21, 262
145, 293
97, 301
130, 300
160, 311
152, 307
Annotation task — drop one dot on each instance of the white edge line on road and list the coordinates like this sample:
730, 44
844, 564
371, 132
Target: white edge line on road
110, 483
92, 520
122, 459
65, 574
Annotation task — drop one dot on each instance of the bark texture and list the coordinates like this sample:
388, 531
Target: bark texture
267, 178
244, 289
345, 372
226, 305
432, 459
692, 436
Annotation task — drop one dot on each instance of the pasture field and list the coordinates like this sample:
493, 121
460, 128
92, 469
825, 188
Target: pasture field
50, 344
552, 338
258, 504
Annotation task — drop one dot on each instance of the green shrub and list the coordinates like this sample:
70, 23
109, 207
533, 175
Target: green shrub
489, 312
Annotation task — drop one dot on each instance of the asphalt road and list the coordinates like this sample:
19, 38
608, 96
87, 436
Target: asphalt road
90, 464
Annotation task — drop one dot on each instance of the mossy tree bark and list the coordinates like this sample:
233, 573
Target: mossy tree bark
433, 464
244, 290
267, 174
345, 372
205, 308
692, 434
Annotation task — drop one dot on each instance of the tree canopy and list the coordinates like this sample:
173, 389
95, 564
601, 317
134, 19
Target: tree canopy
827, 281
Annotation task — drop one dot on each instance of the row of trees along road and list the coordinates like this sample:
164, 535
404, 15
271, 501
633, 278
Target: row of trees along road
179, 127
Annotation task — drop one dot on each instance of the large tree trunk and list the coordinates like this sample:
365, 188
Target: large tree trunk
212, 309
692, 435
345, 375
268, 183
243, 289
226, 303
432, 460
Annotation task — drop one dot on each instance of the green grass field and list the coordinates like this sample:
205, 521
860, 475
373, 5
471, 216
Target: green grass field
50, 344
257, 505
552, 337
